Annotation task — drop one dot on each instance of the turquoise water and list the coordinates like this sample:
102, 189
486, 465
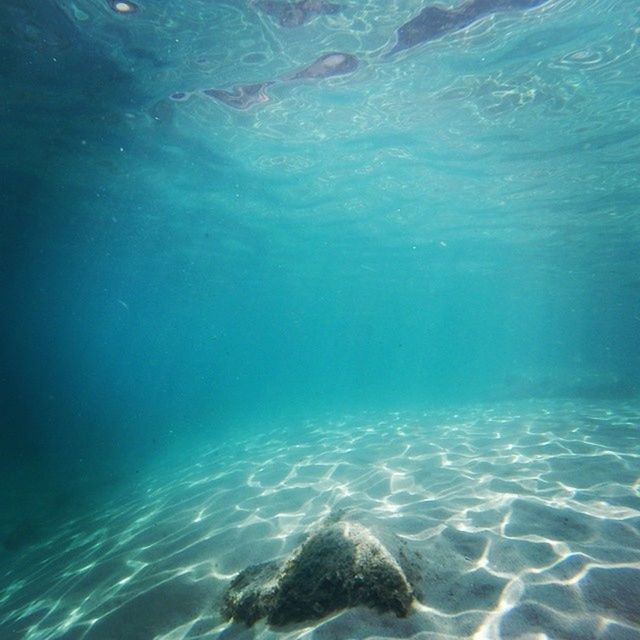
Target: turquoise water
446, 227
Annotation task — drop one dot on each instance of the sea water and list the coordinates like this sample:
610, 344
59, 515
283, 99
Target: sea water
412, 289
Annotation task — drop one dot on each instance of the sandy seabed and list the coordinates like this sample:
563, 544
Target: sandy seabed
526, 516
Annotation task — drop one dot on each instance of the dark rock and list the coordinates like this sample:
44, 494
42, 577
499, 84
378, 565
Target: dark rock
251, 594
341, 564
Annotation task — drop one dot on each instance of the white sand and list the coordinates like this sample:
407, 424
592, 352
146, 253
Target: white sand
527, 518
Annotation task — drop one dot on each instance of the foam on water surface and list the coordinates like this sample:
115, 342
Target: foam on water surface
526, 517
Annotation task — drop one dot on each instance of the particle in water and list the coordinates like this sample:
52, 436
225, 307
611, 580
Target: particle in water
123, 6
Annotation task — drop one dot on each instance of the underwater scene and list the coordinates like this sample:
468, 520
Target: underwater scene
321, 320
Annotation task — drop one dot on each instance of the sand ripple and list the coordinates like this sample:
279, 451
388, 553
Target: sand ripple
527, 519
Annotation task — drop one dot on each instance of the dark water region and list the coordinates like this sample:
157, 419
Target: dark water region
445, 217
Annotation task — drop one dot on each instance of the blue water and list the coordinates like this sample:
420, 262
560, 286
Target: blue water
454, 225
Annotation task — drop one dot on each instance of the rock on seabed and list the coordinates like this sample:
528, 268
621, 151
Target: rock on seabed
341, 564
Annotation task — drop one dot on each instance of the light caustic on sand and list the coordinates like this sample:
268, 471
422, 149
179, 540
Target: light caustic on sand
527, 518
